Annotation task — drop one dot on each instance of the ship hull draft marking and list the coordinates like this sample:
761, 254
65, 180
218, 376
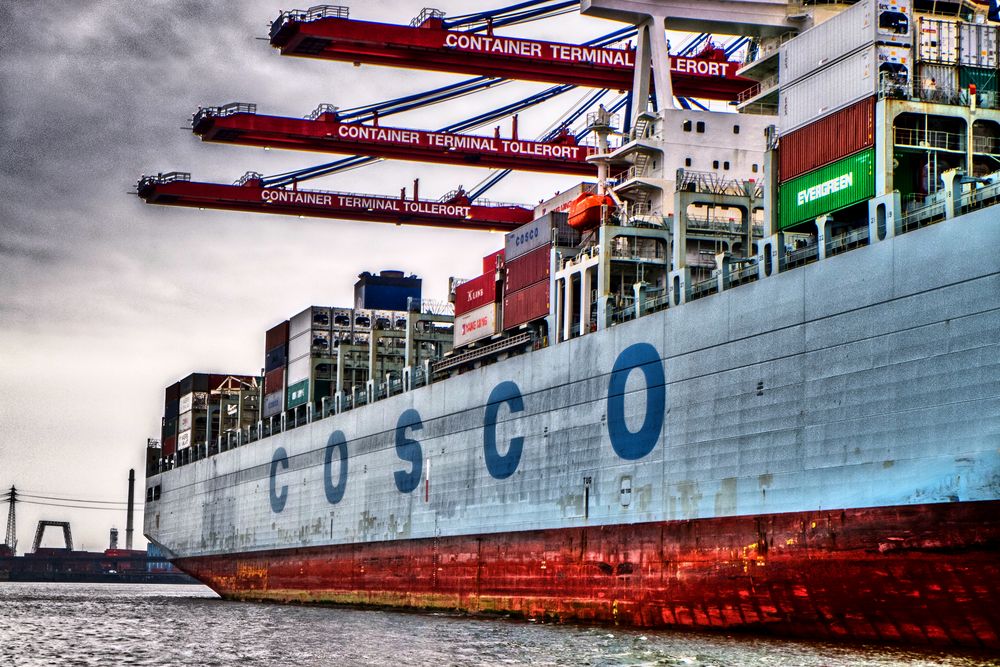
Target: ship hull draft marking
933, 569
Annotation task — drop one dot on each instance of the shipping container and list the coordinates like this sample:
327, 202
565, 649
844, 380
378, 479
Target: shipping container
276, 358
858, 27
313, 317
168, 428
539, 232
169, 446
842, 84
827, 140
197, 400
527, 269
172, 409
186, 421
984, 79
274, 404
298, 370
389, 290
300, 345
937, 82
827, 189
183, 440
274, 381
297, 394
476, 293
193, 382
475, 325
493, 261
938, 41
171, 394
276, 335
526, 305
977, 45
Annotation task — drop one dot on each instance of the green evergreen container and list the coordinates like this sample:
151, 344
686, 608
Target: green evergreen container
298, 394
827, 189
984, 78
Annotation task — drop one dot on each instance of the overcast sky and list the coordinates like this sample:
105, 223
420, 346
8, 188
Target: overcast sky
105, 300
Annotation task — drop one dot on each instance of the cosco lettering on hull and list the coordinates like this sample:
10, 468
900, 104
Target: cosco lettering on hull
629, 445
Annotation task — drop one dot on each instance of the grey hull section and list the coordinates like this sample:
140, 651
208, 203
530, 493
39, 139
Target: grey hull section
864, 380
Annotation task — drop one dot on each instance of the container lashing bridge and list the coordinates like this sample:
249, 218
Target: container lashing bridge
467, 44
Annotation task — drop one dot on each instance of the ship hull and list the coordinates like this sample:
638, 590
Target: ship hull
925, 574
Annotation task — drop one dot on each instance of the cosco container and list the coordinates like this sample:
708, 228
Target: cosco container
866, 23
475, 325
297, 394
476, 293
526, 305
827, 140
827, 189
274, 381
313, 317
527, 269
276, 335
276, 358
977, 44
845, 82
937, 41
493, 261
274, 403
540, 232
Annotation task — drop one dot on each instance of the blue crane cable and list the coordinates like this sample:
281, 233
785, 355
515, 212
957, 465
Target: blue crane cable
736, 45
525, 16
466, 19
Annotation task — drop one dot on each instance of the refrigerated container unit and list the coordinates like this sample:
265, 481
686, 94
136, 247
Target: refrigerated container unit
827, 189
977, 45
844, 83
861, 26
827, 140
937, 41
389, 290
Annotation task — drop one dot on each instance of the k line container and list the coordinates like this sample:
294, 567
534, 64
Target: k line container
827, 189
274, 403
476, 293
866, 23
827, 140
274, 381
845, 82
977, 45
297, 394
527, 269
475, 325
937, 41
276, 335
526, 305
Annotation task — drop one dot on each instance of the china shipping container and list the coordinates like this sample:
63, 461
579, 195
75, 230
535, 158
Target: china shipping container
937, 81
937, 41
827, 140
525, 305
977, 45
858, 27
475, 293
527, 269
475, 325
842, 84
493, 261
274, 380
276, 335
859, 168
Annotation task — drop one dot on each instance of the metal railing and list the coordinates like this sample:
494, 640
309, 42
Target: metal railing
762, 86
308, 15
249, 176
322, 109
426, 13
168, 177
222, 111
921, 138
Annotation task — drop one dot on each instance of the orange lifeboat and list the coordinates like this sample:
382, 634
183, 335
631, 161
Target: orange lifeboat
585, 211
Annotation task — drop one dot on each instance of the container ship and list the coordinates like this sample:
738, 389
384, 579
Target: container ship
745, 377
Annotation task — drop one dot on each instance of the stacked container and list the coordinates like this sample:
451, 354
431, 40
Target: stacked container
528, 260
192, 422
171, 412
476, 308
848, 58
310, 343
829, 188
275, 363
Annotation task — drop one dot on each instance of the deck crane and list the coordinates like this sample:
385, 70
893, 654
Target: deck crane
324, 132
454, 211
327, 32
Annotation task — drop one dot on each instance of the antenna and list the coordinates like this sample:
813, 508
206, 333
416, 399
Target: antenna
11, 538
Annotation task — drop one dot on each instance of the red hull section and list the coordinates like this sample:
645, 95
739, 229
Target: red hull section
926, 574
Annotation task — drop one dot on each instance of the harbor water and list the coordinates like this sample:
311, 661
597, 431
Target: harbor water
100, 624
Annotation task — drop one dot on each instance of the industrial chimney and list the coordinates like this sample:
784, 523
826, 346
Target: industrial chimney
131, 508
113, 542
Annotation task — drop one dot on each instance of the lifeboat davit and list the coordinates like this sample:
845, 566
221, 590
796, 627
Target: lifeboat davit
585, 210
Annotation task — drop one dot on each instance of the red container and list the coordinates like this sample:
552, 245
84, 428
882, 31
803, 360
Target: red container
169, 446
276, 335
493, 262
527, 270
526, 305
475, 293
274, 381
827, 140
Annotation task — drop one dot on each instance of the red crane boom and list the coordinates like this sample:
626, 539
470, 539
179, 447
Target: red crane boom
240, 124
454, 211
326, 32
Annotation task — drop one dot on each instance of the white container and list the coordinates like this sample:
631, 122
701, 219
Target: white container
197, 400
183, 440
937, 41
475, 325
299, 370
977, 45
866, 23
300, 345
937, 82
313, 317
843, 83
527, 237
185, 421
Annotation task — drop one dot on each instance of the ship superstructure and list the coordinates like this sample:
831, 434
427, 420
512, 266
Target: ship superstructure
747, 377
